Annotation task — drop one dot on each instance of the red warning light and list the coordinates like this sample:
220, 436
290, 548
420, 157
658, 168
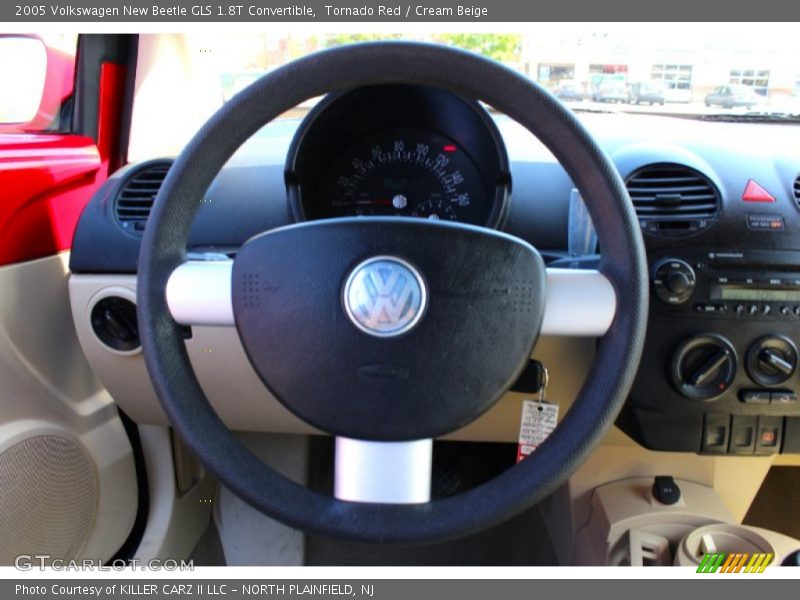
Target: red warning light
450, 148
755, 193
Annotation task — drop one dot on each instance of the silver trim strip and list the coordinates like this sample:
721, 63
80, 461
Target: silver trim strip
199, 293
385, 472
580, 303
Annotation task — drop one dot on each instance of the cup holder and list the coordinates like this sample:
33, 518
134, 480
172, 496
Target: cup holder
725, 538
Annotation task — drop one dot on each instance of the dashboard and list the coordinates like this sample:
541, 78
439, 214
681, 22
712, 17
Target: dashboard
719, 209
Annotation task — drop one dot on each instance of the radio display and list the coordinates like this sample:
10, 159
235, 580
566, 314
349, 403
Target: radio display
728, 292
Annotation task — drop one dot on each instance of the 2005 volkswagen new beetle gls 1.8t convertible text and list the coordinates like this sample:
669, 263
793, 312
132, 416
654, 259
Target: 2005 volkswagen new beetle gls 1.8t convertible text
330, 299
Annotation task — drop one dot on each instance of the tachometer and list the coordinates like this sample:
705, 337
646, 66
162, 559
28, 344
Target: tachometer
404, 172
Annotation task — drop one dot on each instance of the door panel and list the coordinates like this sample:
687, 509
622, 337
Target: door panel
68, 485
66, 464
46, 181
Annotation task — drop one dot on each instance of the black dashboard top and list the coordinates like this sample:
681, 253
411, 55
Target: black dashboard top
250, 194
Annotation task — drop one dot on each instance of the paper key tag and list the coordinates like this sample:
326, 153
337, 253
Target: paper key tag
539, 419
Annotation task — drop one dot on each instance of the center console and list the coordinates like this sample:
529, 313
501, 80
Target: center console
719, 373
632, 524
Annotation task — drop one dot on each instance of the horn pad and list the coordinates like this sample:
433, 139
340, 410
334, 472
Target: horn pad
388, 329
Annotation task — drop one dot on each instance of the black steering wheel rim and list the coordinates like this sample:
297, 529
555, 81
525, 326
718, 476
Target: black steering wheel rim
623, 263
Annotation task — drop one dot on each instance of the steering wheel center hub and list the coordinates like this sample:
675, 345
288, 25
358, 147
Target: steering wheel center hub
340, 324
385, 296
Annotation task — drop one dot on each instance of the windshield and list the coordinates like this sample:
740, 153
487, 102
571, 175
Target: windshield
685, 70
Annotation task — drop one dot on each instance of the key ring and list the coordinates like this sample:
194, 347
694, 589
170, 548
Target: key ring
542, 396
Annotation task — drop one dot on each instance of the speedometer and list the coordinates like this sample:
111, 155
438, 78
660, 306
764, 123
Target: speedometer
398, 151
404, 172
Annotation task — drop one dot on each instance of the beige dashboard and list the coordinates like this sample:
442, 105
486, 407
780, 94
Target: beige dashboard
246, 405
241, 399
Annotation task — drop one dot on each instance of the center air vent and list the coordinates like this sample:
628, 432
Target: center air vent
135, 195
797, 190
673, 200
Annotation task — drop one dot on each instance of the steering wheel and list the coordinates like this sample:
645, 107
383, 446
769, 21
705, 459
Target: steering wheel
389, 332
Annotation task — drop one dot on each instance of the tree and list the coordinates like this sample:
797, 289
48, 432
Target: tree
339, 39
505, 48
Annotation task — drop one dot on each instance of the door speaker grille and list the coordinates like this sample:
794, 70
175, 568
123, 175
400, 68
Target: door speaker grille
48, 498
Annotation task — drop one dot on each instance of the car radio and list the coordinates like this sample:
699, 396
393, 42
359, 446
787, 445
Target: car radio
720, 370
730, 285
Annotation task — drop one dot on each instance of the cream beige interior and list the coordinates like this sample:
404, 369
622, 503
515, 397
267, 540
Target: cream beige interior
628, 527
239, 396
69, 483
243, 402
49, 388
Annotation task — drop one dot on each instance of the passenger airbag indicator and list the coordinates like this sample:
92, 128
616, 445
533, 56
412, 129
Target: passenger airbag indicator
765, 222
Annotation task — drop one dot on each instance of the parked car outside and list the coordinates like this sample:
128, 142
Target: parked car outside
569, 90
650, 92
612, 93
733, 96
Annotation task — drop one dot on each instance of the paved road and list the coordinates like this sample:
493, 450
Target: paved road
788, 105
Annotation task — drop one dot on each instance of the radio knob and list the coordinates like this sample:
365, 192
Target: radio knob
677, 282
673, 281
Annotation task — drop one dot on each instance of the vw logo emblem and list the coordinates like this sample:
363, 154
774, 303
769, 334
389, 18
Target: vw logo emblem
385, 296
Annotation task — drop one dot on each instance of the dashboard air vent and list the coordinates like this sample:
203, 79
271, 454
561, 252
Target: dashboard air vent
135, 196
673, 200
797, 190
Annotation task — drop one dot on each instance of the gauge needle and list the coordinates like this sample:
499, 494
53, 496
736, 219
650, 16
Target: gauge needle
366, 202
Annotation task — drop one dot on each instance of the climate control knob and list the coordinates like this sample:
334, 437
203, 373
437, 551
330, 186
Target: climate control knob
703, 367
771, 360
673, 281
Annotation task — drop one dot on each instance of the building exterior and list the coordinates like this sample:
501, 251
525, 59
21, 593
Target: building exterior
688, 60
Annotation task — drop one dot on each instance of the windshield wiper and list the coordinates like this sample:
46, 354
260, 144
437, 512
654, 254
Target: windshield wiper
755, 117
